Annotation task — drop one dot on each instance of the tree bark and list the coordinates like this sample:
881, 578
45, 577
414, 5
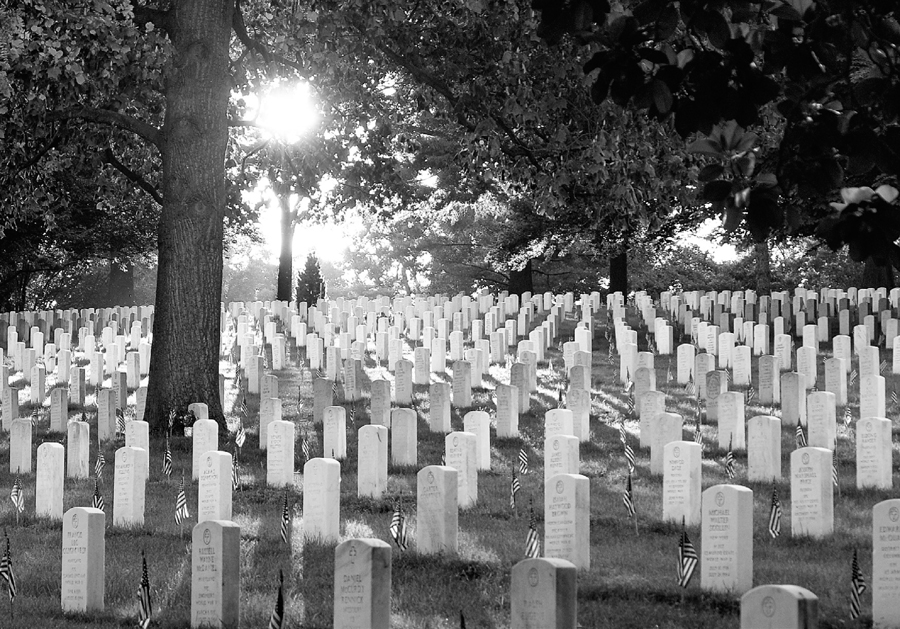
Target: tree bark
618, 271
184, 364
521, 280
763, 268
876, 276
120, 286
285, 261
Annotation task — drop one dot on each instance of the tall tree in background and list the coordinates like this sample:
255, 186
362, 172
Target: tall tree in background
310, 284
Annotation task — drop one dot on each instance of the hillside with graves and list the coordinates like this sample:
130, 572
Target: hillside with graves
711, 460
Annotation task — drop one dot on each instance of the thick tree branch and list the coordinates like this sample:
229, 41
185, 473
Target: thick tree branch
254, 45
110, 158
57, 136
113, 119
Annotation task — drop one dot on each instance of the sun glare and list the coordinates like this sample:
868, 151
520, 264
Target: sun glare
287, 111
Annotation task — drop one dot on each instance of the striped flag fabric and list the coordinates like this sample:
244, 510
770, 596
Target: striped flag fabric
532, 541
286, 520
852, 378
834, 475
276, 620
235, 474
800, 436
97, 499
848, 416
690, 388
352, 414
7, 574
514, 487
99, 465
559, 401
523, 461
623, 436
397, 528
775, 513
120, 421
240, 438
895, 398
17, 495
729, 461
304, 447
35, 416
181, 508
883, 367
698, 436
751, 393
628, 498
243, 407
857, 586
172, 415
167, 459
629, 451
687, 558
145, 610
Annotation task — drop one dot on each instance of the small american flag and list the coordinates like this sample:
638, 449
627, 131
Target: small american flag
304, 447
857, 586
514, 487
559, 402
523, 461
241, 437
167, 459
532, 541
883, 367
243, 406
276, 621
235, 474
852, 377
775, 513
18, 496
751, 393
834, 475
895, 398
627, 498
145, 610
120, 421
398, 525
848, 416
35, 416
7, 574
687, 558
729, 461
99, 465
286, 520
698, 436
181, 508
690, 388
97, 500
800, 436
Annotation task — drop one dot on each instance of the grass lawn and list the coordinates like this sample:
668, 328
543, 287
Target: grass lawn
631, 583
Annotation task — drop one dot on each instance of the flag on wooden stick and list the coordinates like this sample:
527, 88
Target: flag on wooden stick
181, 508
286, 520
276, 621
97, 499
167, 459
7, 574
729, 461
398, 525
857, 586
687, 558
17, 495
775, 513
532, 541
800, 436
145, 610
628, 498
99, 465
523, 461
514, 487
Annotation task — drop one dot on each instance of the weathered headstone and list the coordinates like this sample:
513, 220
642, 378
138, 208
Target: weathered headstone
479, 424
812, 493
404, 437
726, 563
731, 420
821, 419
323, 396
507, 411
561, 456
372, 467
403, 382
681, 481
871, 396
567, 505
59, 409
20, 447
836, 379
83, 560
769, 380
764, 448
321, 500
437, 510
214, 487
886, 564
558, 421
279, 455
716, 385
362, 584
205, 437
664, 429
439, 394
78, 443
334, 432
874, 462
216, 574
129, 487
460, 453
779, 607
137, 434
543, 594
793, 399
651, 404
48, 490
579, 402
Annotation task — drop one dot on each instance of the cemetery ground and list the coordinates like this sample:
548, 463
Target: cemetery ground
631, 582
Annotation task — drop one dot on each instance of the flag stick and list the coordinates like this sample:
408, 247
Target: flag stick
636, 534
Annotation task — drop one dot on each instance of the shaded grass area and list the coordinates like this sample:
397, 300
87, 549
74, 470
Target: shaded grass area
631, 583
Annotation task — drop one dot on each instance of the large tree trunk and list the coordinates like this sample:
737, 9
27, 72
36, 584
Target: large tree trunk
876, 276
285, 270
763, 268
618, 271
184, 364
522, 280
120, 285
